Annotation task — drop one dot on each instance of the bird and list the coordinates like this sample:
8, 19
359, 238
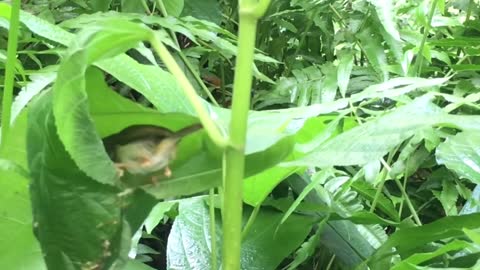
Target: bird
145, 149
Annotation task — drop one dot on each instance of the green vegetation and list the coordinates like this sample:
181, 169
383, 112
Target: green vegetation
336, 134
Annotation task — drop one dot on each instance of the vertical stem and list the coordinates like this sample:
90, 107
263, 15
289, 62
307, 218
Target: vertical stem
235, 154
213, 233
426, 29
208, 124
10, 68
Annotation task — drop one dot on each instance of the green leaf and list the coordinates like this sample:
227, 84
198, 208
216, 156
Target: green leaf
397, 87
174, 7
386, 15
475, 236
38, 82
73, 121
78, 221
317, 179
473, 203
367, 191
456, 42
344, 70
329, 87
461, 154
448, 197
10, 166
374, 50
189, 240
448, 227
208, 10
157, 85
132, 6
465, 67
39, 26
418, 258
136, 265
265, 128
157, 213
99, 5
308, 248
18, 247
350, 243
374, 139
364, 217
257, 187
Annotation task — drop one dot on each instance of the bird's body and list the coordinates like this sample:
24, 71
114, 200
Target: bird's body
144, 149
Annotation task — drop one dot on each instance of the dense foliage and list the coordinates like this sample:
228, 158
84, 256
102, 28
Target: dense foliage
363, 141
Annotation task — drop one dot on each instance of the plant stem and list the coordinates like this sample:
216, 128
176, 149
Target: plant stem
251, 220
213, 234
10, 68
185, 60
208, 124
405, 195
235, 159
250, 11
426, 29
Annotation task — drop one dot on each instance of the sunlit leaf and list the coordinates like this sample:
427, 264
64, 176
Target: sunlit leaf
18, 247
461, 153
343, 74
386, 15
374, 139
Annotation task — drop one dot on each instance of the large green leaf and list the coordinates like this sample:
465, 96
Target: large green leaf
189, 240
157, 85
461, 154
78, 221
18, 247
39, 26
374, 139
257, 187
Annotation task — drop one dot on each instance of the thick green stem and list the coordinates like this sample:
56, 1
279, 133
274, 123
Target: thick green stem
232, 209
235, 156
10, 68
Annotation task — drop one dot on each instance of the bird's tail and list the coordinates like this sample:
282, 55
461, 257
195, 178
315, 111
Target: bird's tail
187, 130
